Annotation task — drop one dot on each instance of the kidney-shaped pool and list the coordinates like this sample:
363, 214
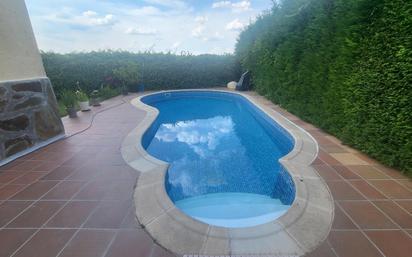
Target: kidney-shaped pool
224, 156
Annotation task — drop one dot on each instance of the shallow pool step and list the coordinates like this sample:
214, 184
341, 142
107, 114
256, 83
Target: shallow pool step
233, 209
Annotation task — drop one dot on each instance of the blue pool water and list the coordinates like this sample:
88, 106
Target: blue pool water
224, 157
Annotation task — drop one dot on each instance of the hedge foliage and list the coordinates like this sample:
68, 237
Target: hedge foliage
155, 70
344, 65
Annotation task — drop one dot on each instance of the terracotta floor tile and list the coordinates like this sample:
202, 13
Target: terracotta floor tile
406, 182
390, 172
88, 243
12, 239
348, 159
318, 161
94, 190
161, 252
78, 160
401, 217
333, 148
352, 244
73, 215
130, 221
35, 191
8, 191
367, 172
36, 215
345, 172
366, 189
64, 190
406, 204
10, 209
324, 250
327, 172
11, 165
120, 190
60, 173
28, 178
393, 243
108, 215
6, 177
366, 158
47, 166
341, 220
130, 244
392, 189
45, 243
341, 190
366, 215
327, 158
85, 173
27, 165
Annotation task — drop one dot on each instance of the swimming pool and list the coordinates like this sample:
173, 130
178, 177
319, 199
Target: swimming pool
224, 157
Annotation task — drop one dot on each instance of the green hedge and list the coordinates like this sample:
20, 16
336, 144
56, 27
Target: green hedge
344, 65
156, 70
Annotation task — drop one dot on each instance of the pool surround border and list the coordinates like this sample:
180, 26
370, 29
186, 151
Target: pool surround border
300, 230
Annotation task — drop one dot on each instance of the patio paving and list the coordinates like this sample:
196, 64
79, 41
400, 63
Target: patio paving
74, 197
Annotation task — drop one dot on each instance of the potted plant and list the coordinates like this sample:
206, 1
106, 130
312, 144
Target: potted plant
83, 101
68, 98
95, 98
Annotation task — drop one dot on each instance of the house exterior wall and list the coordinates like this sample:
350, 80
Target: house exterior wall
29, 115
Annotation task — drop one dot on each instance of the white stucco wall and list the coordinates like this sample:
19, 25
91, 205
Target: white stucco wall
19, 55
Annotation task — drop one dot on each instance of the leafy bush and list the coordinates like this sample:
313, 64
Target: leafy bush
344, 65
155, 70
107, 92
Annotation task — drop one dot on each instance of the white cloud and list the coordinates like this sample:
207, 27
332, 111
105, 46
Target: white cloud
172, 4
89, 13
86, 19
201, 19
106, 20
236, 24
222, 4
141, 31
176, 45
235, 6
241, 6
198, 31
145, 11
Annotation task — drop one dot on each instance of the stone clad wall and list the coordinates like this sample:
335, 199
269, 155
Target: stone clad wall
28, 115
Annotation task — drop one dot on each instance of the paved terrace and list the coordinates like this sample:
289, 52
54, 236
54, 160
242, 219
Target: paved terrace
74, 197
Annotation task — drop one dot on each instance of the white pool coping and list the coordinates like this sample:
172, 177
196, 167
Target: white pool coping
300, 230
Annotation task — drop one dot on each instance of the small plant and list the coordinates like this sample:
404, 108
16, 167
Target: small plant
68, 99
83, 100
81, 96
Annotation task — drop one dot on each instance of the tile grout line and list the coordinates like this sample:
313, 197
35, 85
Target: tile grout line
360, 229
81, 225
116, 234
368, 200
344, 211
37, 229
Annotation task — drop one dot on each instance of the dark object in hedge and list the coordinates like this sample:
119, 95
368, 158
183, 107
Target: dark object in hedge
244, 82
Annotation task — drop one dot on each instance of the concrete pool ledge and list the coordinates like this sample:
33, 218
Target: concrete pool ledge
300, 230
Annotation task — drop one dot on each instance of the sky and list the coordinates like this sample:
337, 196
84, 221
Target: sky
195, 26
